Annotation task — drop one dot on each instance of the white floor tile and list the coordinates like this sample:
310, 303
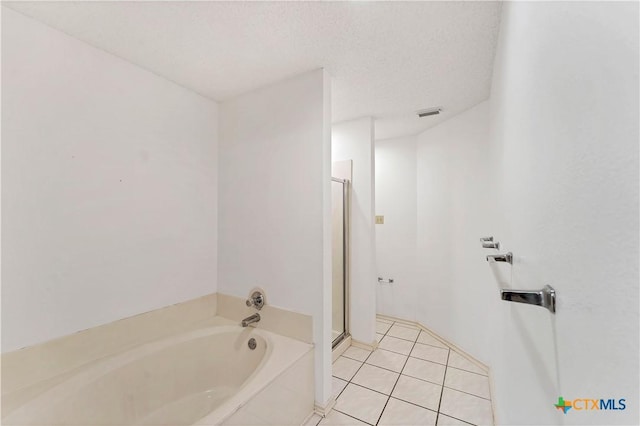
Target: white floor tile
356, 353
403, 332
379, 337
430, 353
425, 370
313, 420
345, 368
466, 407
382, 327
361, 403
418, 391
428, 339
458, 361
394, 344
450, 421
402, 413
389, 360
375, 378
473, 383
337, 385
336, 418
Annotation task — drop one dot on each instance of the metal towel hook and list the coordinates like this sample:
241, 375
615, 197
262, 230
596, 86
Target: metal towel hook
545, 297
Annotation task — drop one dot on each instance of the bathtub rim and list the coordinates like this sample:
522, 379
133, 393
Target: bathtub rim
280, 353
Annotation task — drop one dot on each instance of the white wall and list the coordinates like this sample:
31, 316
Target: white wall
434, 192
565, 133
396, 238
453, 195
550, 168
354, 140
108, 187
274, 216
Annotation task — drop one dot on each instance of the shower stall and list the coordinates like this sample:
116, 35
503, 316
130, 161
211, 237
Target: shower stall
340, 259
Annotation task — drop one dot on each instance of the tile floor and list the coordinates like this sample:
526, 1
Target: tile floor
411, 379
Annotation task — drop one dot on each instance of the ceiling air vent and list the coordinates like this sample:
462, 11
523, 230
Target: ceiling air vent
429, 111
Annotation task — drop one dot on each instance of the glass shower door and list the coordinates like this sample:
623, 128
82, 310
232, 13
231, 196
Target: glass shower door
339, 219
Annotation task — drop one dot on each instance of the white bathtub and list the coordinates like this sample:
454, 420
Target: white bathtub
207, 376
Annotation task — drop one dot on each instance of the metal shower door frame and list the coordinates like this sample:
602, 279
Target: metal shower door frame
346, 215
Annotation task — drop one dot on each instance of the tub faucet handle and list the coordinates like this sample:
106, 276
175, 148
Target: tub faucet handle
256, 300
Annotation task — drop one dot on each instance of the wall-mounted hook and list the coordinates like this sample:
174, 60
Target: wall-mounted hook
491, 244
508, 257
545, 297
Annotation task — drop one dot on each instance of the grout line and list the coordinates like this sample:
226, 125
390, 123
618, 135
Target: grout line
412, 327
433, 346
400, 338
407, 375
443, 347
349, 415
397, 380
443, 385
440, 339
413, 403
424, 380
447, 366
399, 353
372, 390
463, 421
472, 372
414, 357
468, 393
442, 390
384, 368
403, 338
355, 384
355, 359
428, 360
345, 386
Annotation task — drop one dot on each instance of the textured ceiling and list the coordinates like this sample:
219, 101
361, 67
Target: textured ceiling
387, 59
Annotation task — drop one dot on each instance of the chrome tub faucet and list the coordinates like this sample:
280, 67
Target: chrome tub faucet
251, 319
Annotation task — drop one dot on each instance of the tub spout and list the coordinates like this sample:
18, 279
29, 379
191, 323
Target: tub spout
250, 319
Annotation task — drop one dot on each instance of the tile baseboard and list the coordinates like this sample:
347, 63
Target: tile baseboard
339, 350
323, 410
435, 335
370, 347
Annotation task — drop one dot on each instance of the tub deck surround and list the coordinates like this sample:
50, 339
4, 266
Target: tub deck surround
287, 323
201, 377
31, 373
31, 370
